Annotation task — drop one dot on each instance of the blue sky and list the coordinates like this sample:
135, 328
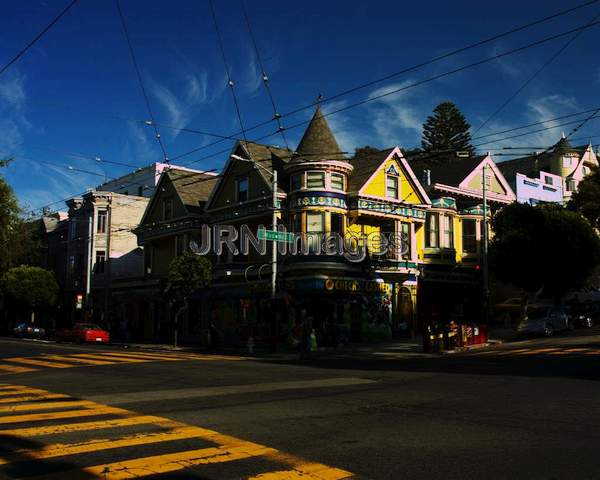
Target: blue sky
76, 90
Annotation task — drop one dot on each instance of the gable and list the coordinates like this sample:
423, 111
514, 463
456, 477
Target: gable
164, 191
225, 193
410, 190
497, 183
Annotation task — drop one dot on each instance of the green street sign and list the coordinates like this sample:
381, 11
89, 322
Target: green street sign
275, 236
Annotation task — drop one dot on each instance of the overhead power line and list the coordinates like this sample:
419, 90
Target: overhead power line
406, 70
265, 77
533, 76
34, 40
406, 87
227, 72
141, 81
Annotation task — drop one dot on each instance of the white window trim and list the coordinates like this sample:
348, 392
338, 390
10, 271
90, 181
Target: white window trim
397, 178
342, 176
320, 172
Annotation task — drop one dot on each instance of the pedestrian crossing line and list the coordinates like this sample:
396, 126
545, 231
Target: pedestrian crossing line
35, 417
82, 426
143, 357
593, 352
16, 369
72, 359
226, 448
38, 363
159, 464
95, 445
533, 351
513, 352
19, 391
114, 359
30, 398
46, 406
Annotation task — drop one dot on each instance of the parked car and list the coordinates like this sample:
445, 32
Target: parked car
84, 332
582, 315
544, 320
509, 311
28, 330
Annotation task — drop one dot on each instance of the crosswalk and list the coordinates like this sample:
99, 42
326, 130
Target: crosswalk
14, 365
35, 444
533, 351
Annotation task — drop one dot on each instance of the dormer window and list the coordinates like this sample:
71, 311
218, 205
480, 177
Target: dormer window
315, 180
242, 189
167, 208
337, 181
391, 186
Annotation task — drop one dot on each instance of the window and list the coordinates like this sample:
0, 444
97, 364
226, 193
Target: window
167, 208
548, 180
405, 241
566, 161
314, 228
337, 223
391, 186
179, 245
337, 181
432, 225
469, 236
315, 180
448, 231
296, 225
296, 182
242, 189
140, 191
571, 185
148, 259
72, 229
100, 261
101, 222
585, 170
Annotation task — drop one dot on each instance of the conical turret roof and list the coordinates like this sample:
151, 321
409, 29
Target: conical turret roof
318, 142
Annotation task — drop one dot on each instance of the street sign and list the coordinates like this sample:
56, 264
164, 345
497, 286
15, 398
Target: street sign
275, 236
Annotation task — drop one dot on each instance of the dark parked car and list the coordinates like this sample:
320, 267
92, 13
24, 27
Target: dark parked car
28, 330
544, 320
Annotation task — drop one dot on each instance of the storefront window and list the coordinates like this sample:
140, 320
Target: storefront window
432, 230
469, 236
315, 225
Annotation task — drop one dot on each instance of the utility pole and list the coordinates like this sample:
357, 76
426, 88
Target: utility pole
484, 250
274, 246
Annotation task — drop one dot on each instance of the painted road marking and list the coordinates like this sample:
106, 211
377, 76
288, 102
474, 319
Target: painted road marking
38, 363
73, 359
15, 369
225, 449
115, 359
30, 398
136, 356
174, 394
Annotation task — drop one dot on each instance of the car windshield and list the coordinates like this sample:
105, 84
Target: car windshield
88, 326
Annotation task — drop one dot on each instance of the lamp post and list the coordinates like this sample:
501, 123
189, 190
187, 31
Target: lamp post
273, 220
484, 250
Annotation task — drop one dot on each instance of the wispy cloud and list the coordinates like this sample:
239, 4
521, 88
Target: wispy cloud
13, 102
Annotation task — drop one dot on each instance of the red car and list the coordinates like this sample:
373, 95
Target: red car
85, 332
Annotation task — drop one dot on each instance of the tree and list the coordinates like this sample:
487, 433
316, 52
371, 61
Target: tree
586, 200
545, 249
32, 286
446, 131
187, 274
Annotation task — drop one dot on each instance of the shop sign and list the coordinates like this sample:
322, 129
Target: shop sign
343, 285
319, 201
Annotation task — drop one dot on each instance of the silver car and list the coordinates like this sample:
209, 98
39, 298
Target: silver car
544, 320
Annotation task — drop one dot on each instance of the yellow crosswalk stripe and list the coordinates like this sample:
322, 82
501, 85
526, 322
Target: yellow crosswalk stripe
537, 351
35, 417
304, 469
98, 356
71, 358
82, 426
47, 405
19, 391
62, 449
158, 464
329, 474
29, 398
39, 363
16, 369
143, 356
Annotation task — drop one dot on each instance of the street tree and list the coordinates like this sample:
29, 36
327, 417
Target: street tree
188, 273
365, 151
30, 286
586, 199
546, 249
446, 131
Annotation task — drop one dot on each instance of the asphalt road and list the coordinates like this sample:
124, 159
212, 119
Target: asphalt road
525, 410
